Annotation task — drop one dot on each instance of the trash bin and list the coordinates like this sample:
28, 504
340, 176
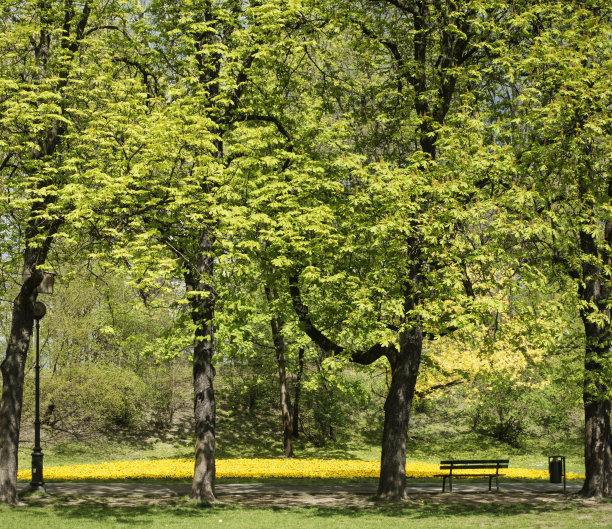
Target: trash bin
555, 469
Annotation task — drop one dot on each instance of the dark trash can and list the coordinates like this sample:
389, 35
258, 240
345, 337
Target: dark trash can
555, 469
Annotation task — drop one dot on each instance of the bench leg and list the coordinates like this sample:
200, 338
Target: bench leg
450, 483
443, 483
496, 483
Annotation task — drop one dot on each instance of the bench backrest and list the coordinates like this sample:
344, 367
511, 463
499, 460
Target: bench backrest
467, 464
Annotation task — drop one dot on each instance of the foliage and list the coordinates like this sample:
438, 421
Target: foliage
92, 398
421, 184
511, 410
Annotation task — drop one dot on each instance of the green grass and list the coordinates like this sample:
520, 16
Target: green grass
99, 451
57, 513
421, 516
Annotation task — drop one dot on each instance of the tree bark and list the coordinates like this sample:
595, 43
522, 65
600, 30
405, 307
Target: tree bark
202, 313
597, 450
285, 399
398, 404
297, 394
13, 373
596, 293
12, 397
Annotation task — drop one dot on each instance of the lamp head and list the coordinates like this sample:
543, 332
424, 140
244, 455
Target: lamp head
39, 310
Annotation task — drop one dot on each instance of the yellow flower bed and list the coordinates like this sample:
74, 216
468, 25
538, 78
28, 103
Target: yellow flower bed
253, 468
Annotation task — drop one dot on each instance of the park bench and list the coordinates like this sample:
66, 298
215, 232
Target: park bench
480, 466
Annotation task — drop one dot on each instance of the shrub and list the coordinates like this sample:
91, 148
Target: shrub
87, 399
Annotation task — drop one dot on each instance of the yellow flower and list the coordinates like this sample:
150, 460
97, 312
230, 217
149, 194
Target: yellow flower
252, 468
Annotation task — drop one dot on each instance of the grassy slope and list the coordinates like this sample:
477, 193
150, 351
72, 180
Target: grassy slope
533, 456
437, 432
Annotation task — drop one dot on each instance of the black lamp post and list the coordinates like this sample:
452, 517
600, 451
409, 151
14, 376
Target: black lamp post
37, 483
39, 310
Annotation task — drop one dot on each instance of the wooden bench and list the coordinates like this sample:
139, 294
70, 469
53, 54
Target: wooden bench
479, 465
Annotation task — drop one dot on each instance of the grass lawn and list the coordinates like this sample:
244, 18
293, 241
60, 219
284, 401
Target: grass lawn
421, 516
100, 512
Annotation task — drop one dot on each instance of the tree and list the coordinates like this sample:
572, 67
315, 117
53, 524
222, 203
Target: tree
563, 157
397, 261
48, 73
176, 175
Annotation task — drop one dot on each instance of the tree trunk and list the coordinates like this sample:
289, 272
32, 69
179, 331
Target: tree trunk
597, 447
597, 450
13, 372
404, 372
252, 399
202, 313
296, 399
12, 399
285, 399
595, 291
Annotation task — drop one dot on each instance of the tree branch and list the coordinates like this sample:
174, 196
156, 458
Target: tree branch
430, 390
270, 119
359, 357
6, 160
393, 49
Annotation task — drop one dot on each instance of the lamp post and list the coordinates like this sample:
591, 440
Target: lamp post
37, 484
39, 310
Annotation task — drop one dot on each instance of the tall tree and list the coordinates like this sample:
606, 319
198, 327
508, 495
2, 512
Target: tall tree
405, 268
180, 168
563, 148
47, 86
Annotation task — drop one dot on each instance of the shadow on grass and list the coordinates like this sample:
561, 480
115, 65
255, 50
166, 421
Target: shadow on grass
142, 515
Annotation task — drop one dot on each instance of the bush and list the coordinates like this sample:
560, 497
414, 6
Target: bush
168, 391
511, 411
86, 399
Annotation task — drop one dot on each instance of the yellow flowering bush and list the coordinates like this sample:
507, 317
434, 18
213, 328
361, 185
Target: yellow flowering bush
253, 468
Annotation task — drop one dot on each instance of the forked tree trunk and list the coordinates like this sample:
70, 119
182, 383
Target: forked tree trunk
398, 404
202, 313
404, 372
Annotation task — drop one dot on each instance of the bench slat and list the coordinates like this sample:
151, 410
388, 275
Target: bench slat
458, 476
468, 461
469, 467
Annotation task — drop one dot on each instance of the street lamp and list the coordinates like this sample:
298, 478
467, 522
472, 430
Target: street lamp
39, 310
